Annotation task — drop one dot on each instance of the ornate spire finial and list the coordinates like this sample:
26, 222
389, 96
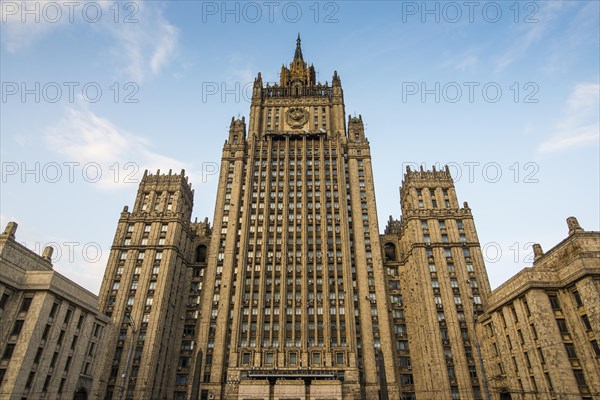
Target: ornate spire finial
298, 53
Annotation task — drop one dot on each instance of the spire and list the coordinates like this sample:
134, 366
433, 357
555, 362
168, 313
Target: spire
298, 54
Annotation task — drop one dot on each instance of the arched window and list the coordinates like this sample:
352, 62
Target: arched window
390, 252
201, 253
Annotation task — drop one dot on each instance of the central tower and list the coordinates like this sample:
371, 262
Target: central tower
295, 253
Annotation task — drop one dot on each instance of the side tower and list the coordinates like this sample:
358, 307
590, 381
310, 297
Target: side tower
142, 287
444, 284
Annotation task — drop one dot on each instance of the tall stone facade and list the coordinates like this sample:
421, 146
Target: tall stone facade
52, 336
293, 293
541, 328
145, 287
438, 285
279, 298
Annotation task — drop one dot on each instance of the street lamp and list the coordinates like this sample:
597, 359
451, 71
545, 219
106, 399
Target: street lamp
133, 332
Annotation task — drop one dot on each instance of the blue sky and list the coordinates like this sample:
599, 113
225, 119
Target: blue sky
507, 93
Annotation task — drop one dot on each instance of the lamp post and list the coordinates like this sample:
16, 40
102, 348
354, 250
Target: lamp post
126, 370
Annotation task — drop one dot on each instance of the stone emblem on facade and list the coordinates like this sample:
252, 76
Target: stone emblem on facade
296, 117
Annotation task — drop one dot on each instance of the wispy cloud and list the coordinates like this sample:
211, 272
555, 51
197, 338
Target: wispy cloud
466, 62
146, 45
580, 123
20, 29
84, 137
527, 34
144, 41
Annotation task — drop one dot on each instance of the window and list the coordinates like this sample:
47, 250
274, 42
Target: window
554, 303
406, 379
454, 393
30, 380
293, 358
181, 379
38, 355
54, 358
245, 358
25, 304
46, 331
269, 358
514, 313
570, 348
80, 322
562, 326
534, 332
526, 305
495, 347
541, 355
533, 383
586, 322
3, 301
8, 352
17, 327
316, 358
549, 382
579, 377
596, 347
61, 336
577, 298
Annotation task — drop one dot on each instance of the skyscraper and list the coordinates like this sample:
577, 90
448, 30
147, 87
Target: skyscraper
438, 284
292, 293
